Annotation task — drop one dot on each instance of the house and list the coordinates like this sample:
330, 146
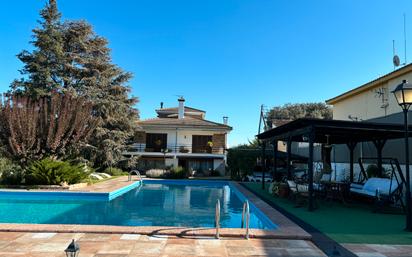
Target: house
181, 136
373, 102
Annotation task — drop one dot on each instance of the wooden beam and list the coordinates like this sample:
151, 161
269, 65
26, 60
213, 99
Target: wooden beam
311, 137
351, 146
275, 158
263, 163
289, 158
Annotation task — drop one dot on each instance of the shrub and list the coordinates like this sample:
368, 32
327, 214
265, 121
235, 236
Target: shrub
11, 173
372, 170
156, 173
177, 173
114, 171
52, 172
215, 173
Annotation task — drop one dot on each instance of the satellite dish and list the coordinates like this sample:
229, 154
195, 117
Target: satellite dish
396, 61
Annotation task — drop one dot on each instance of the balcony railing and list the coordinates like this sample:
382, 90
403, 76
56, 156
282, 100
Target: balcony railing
178, 149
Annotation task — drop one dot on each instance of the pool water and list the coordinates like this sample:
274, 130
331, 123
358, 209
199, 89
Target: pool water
155, 203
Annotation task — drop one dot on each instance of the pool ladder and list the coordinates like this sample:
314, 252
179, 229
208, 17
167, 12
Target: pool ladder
135, 172
245, 218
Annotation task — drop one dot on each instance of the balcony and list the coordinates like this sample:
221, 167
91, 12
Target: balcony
177, 149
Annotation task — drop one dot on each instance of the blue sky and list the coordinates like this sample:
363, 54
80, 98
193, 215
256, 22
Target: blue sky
230, 56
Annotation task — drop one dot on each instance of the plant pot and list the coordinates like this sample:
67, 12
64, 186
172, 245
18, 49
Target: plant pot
283, 190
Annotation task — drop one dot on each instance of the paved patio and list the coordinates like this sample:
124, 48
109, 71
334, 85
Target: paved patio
108, 185
380, 250
122, 245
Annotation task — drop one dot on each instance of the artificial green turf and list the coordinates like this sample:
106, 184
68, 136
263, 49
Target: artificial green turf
354, 223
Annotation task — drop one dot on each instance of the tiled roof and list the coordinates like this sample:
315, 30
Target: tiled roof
185, 122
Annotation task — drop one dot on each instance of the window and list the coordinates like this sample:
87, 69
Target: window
155, 142
202, 144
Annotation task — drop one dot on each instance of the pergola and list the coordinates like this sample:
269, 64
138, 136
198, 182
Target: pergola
332, 132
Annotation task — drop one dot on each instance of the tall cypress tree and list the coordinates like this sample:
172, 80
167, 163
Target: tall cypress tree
70, 56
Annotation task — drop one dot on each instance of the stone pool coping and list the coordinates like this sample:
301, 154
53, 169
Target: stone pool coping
286, 229
104, 191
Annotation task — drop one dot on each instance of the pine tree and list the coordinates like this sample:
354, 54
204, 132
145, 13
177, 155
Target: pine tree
82, 65
42, 66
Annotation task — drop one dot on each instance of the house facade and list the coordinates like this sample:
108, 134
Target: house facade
181, 136
373, 101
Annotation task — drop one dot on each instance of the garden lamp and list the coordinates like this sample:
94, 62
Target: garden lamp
72, 250
403, 95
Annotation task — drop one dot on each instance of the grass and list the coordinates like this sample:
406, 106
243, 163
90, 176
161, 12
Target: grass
354, 223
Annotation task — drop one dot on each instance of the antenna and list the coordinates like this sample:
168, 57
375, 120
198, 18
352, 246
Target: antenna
404, 33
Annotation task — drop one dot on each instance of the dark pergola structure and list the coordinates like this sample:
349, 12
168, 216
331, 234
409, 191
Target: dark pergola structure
331, 132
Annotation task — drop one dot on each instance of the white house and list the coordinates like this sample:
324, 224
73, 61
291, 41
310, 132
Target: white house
181, 136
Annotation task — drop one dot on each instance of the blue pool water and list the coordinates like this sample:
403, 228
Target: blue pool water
155, 203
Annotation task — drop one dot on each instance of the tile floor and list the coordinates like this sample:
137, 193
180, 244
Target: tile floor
133, 245
376, 250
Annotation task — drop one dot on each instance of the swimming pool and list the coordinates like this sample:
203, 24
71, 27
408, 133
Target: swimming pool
155, 203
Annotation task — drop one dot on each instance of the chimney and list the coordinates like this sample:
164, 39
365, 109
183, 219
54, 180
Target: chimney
161, 105
181, 112
225, 118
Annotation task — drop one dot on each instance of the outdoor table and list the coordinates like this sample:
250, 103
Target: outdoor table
336, 190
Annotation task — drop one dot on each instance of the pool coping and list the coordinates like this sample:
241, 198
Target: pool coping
285, 229
69, 195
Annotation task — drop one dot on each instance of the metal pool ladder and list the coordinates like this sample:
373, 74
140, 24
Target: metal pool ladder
137, 173
246, 215
217, 218
245, 218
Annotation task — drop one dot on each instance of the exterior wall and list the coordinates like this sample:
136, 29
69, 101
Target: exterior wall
219, 165
219, 143
184, 137
368, 105
140, 137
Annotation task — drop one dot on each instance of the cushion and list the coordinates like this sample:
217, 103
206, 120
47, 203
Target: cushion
362, 192
380, 184
356, 185
325, 177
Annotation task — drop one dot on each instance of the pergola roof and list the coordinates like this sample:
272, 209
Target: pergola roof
334, 131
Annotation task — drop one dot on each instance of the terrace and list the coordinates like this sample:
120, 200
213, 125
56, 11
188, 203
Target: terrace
354, 226
353, 223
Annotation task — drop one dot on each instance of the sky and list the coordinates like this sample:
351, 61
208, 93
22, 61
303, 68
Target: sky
228, 57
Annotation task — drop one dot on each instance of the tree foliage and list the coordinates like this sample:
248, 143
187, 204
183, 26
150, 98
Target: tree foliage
296, 111
69, 56
47, 126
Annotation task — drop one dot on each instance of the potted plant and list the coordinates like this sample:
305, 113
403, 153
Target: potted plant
209, 146
183, 149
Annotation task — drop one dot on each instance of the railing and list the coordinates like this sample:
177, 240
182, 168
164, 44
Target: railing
246, 215
181, 148
217, 218
137, 173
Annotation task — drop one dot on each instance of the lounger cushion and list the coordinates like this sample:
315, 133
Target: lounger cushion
362, 192
381, 184
356, 185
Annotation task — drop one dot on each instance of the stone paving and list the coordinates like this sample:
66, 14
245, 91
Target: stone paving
108, 185
134, 245
377, 250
